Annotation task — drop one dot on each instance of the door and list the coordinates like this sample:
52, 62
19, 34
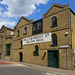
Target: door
53, 58
50, 58
21, 56
0, 55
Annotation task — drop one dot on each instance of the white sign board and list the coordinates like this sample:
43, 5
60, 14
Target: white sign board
37, 39
64, 46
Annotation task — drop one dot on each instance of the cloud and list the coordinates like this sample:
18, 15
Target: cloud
38, 10
1, 11
3, 2
40, 1
17, 8
7, 23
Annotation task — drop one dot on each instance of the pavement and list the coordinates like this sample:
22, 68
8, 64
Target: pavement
45, 70
49, 69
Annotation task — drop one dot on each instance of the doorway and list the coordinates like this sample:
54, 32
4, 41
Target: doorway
53, 58
21, 57
0, 55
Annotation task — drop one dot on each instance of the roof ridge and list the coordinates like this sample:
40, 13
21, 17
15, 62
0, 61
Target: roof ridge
59, 5
6, 27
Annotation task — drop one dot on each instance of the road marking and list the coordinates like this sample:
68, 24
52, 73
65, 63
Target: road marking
44, 70
49, 73
10, 65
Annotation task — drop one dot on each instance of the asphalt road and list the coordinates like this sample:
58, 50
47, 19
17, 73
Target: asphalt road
17, 69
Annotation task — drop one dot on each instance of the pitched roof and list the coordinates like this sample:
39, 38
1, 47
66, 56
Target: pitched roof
24, 19
57, 5
72, 11
7, 28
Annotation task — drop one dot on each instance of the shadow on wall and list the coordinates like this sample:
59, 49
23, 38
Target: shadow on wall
44, 56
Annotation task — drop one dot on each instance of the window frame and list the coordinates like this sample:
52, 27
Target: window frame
18, 33
21, 45
36, 52
54, 40
25, 31
54, 24
7, 52
37, 29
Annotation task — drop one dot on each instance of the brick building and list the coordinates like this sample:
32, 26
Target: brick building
5, 42
49, 41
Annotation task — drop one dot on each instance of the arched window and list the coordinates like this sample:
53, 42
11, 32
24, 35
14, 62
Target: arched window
25, 30
36, 53
54, 40
18, 33
21, 44
54, 21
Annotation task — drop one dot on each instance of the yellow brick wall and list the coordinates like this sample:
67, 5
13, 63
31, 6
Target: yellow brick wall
4, 41
73, 34
22, 22
63, 26
63, 22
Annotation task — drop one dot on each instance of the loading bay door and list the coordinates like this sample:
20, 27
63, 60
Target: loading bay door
53, 58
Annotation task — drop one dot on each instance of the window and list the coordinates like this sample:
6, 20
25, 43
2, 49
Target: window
54, 21
0, 55
21, 44
35, 53
37, 27
54, 40
1, 36
0, 46
8, 47
18, 33
25, 30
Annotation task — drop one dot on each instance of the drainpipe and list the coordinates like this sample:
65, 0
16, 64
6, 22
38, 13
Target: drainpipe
67, 58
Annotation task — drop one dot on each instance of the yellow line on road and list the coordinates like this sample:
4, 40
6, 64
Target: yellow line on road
44, 70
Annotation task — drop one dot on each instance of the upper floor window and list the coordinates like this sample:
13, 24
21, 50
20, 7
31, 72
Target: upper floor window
36, 53
25, 30
21, 44
54, 40
18, 33
54, 21
37, 27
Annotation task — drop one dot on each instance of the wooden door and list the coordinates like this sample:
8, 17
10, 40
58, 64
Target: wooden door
53, 58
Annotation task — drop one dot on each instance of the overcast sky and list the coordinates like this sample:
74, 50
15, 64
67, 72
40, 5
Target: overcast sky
12, 10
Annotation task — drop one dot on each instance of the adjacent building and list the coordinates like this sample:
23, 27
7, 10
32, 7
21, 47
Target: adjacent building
49, 41
5, 42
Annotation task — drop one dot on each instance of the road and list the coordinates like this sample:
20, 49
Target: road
19, 69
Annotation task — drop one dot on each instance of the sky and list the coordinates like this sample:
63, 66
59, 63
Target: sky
12, 10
